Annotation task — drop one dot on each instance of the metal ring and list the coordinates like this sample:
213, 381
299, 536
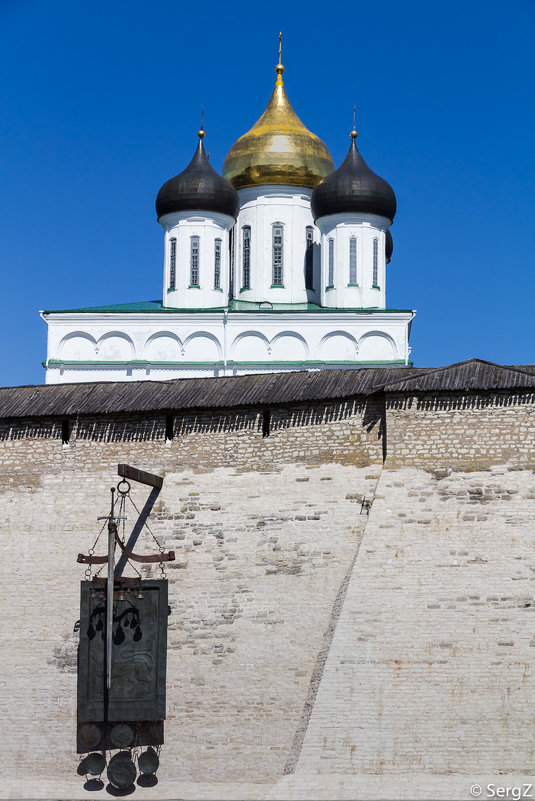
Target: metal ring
126, 491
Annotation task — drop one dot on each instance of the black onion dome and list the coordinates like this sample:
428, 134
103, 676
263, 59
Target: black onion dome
389, 247
353, 187
199, 187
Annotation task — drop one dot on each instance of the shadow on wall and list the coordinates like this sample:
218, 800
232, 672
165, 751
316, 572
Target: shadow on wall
131, 428
29, 429
474, 400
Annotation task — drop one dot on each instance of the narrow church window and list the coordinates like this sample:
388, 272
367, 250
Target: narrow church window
277, 256
172, 263
330, 281
246, 277
217, 264
309, 258
231, 257
375, 279
194, 263
353, 260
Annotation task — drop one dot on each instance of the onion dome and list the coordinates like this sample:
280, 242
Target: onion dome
199, 187
353, 187
389, 247
278, 149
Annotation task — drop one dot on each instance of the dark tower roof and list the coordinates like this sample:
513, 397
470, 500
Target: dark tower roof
353, 187
198, 187
389, 246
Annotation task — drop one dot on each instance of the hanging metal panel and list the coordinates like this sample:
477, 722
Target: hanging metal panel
139, 652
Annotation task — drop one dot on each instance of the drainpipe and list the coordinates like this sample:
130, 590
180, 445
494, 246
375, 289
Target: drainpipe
225, 313
407, 338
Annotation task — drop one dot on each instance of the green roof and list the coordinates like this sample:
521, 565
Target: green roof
144, 363
156, 306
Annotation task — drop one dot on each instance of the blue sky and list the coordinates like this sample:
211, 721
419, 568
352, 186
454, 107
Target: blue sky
101, 102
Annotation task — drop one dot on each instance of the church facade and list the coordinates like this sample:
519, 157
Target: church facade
278, 264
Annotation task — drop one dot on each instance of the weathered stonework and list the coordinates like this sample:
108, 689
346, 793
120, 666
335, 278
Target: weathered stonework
311, 645
465, 431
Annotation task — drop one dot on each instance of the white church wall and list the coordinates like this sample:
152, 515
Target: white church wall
376, 345
202, 346
262, 207
77, 346
250, 346
115, 346
190, 291
185, 344
338, 346
342, 292
164, 347
289, 346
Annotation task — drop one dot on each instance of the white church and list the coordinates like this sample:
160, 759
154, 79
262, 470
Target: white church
279, 264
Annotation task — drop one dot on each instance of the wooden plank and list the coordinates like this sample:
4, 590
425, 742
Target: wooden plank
132, 473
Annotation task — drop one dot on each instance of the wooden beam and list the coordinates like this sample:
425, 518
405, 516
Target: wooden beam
132, 473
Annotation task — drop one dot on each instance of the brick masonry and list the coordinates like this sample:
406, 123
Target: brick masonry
465, 431
306, 638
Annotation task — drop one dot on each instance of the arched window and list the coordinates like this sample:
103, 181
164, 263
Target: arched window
330, 281
277, 236
309, 258
375, 277
172, 263
194, 261
353, 261
246, 258
217, 264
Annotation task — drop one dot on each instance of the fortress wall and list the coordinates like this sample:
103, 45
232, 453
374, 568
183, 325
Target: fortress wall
345, 432
419, 651
264, 531
431, 665
463, 430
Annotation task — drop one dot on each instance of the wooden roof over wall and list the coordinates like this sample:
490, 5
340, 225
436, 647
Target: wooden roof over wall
268, 389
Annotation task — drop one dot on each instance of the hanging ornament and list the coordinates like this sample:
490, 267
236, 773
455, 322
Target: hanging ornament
119, 705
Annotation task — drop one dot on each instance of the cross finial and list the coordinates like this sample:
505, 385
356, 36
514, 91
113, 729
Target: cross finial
354, 133
279, 68
201, 133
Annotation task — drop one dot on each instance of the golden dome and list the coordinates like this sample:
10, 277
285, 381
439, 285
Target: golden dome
278, 149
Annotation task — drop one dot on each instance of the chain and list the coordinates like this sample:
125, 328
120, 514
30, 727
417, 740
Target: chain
123, 489
87, 573
132, 565
122, 509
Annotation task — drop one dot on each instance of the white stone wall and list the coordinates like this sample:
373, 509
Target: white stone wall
342, 293
261, 207
431, 663
181, 226
260, 557
134, 346
314, 651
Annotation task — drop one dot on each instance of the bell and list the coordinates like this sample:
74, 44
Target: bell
122, 595
139, 594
